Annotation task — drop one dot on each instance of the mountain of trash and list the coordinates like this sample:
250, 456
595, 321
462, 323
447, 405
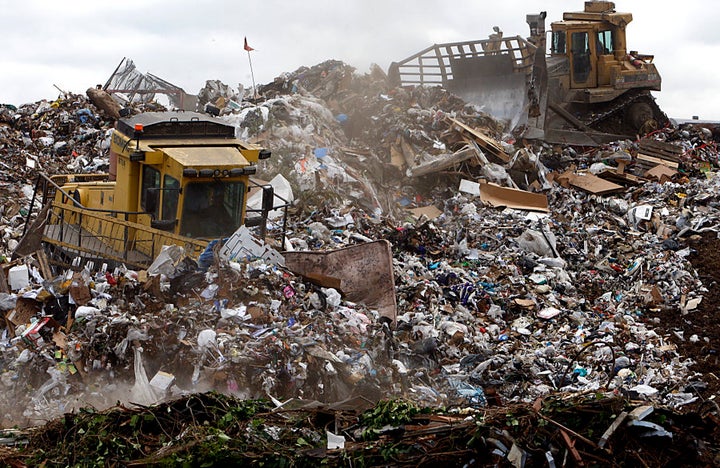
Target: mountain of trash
522, 270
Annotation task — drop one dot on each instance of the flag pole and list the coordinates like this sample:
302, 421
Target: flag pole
252, 73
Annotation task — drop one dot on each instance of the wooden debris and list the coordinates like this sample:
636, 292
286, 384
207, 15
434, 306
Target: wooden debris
44, 264
4, 287
611, 430
571, 446
569, 431
660, 149
408, 153
658, 161
641, 412
103, 101
488, 144
444, 162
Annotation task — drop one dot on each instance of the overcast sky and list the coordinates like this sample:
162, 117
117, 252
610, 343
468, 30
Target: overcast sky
77, 44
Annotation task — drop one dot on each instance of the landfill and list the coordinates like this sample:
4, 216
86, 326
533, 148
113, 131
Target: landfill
523, 273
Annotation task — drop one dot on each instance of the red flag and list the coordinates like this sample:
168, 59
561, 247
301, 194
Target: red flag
247, 47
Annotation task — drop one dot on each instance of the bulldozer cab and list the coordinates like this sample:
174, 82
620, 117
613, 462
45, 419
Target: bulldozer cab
593, 41
203, 209
578, 45
186, 171
589, 48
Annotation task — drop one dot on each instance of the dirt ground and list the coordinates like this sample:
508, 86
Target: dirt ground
703, 322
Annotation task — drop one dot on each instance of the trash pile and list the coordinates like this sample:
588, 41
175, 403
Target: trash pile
521, 270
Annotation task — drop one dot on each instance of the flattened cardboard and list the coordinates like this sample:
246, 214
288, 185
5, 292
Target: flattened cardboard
396, 157
24, 310
430, 212
526, 303
661, 173
589, 183
495, 195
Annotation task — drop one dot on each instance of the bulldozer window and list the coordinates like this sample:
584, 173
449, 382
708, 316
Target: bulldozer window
581, 56
212, 209
149, 198
605, 43
170, 198
559, 42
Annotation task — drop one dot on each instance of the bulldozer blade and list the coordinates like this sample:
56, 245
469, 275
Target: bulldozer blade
362, 273
490, 83
493, 74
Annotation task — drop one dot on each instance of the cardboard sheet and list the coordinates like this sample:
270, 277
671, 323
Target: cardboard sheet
589, 182
430, 212
661, 173
495, 195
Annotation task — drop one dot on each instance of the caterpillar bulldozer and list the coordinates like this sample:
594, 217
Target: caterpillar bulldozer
175, 178
588, 90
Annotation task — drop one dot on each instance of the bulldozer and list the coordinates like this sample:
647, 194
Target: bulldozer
177, 178
588, 89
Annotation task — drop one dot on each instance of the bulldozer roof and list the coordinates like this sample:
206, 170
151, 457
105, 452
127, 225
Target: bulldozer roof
176, 125
615, 18
199, 156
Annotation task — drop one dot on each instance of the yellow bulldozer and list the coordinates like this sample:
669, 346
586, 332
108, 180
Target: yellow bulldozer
588, 90
175, 178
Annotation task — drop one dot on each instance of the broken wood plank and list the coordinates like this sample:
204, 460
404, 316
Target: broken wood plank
613, 427
569, 431
660, 149
656, 160
408, 153
4, 286
44, 264
489, 144
641, 412
620, 177
569, 117
443, 162
571, 446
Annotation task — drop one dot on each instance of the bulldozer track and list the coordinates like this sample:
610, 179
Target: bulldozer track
622, 103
